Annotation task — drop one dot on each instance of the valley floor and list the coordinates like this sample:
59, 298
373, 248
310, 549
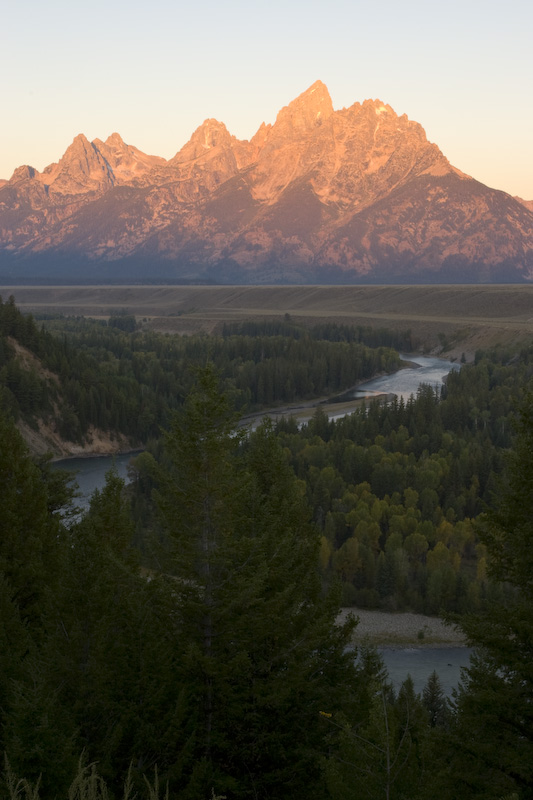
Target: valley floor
452, 319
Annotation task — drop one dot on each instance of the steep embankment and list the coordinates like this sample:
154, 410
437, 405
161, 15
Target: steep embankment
37, 389
43, 436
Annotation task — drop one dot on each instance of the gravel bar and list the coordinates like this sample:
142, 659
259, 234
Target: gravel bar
406, 628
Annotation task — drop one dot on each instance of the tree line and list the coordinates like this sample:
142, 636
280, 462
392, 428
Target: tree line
395, 488
127, 381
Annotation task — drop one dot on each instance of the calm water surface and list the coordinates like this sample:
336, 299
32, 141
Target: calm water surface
406, 382
419, 663
91, 472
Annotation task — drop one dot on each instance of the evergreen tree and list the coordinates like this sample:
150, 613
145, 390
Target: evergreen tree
435, 703
35, 729
261, 653
493, 754
111, 656
384, 756
15, 641
38, 728
29, 534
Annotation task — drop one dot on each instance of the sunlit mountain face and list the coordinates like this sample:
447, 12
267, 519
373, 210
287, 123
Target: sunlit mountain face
321, 196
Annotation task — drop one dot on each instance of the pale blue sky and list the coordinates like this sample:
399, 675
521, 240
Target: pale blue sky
153, 71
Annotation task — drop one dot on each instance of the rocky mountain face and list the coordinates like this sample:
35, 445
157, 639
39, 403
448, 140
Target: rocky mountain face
320, 196
526, 203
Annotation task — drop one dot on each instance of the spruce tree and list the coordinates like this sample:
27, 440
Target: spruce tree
260, 653
29, 534
111, 662
382, 757
35, 731
435, 703
493, 737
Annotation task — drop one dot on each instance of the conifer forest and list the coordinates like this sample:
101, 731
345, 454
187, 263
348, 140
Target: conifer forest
181, 637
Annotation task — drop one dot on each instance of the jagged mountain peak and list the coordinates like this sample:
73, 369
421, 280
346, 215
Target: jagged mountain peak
212, 133
81, 169
261, 135
23, 173
81, 152
80, 144
128, 163
113, 144
115, 140
378, 106
309, 110
207, 136
211, 156
376, 114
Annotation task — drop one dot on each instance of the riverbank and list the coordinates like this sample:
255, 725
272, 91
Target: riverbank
340, 405
382, 628
383, 387
303, 412
45, 439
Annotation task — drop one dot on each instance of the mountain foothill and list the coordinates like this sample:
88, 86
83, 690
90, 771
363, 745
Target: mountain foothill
356, 195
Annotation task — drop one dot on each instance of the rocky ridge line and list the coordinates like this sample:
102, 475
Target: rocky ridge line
322, 195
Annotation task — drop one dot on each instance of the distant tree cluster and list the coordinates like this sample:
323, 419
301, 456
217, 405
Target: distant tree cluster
395, 488
122, 380
327, 331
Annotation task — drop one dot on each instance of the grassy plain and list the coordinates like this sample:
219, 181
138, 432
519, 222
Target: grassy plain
451, 319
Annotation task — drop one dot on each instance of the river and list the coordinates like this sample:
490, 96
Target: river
429, 371
91, 471
426, 371
420, 662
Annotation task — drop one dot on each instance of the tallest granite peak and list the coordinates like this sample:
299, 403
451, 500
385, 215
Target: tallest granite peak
308, 110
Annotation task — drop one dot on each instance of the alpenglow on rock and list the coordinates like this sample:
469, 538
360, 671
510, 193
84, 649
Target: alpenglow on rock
320, 196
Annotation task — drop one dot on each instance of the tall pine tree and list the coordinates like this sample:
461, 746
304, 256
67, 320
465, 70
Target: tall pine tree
34, 730
261, 654
493, 737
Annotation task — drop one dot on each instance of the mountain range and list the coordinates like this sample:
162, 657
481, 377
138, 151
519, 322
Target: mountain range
357, 195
